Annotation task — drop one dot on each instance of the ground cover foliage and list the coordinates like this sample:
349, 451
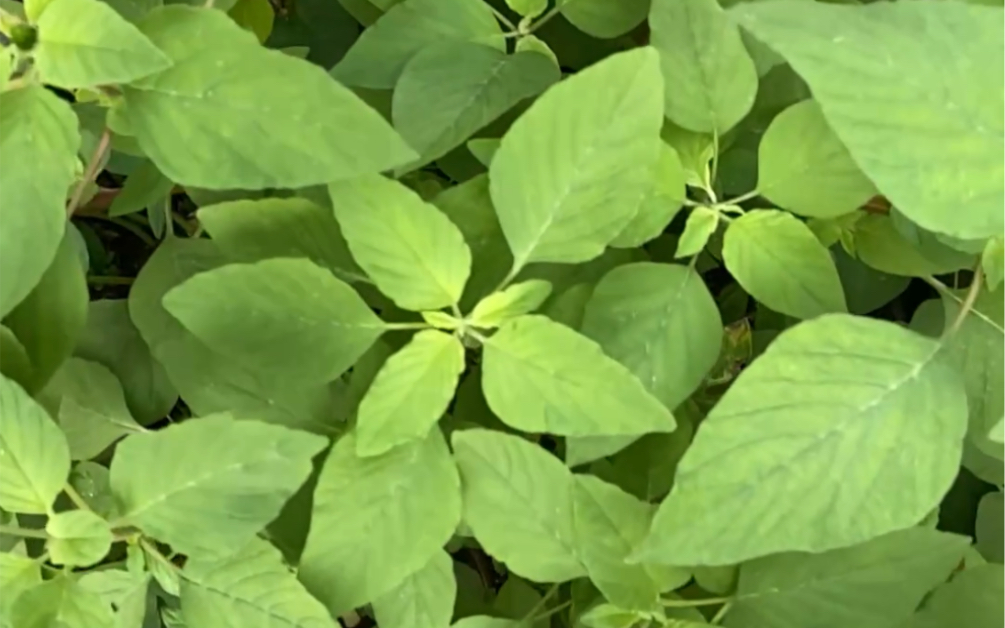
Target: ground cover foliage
486, 314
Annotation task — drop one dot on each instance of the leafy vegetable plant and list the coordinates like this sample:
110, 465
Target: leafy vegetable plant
485, 314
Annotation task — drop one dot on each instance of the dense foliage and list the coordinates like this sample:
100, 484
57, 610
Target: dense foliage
486, 314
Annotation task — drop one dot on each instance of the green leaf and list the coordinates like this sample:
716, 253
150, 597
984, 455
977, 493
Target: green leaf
34, 456
483, 621
377, 520
182, 487
789, 458
528, 8
257, 16
90, 407
111, 339
975, 350
413, 253
306, 324
484, 149
877, 583
449, 91
49, 320
779, 262
208, 381
609, 523
38, 146
91, 481
879, 244
144, 187
803, 167
540, 376
932, 143
17, 575
865, 288
993, 262
86, 43
424, 599
61, 602
660, 321
125, 590
571, 171
410, 393
604, 19
518, 502
379, 56
250, 587
989, 523
516, 300
78, 538
254, 230
701, 224
709, 78
660, 203
973, 595
212, 119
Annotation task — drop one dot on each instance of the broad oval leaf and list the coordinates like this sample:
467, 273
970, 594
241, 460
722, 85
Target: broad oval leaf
661, 322
206, 486
880, 245
378, 57
803, 167
78, 538
61, 602
424, 599
85, 43
571, 171
410, 393
791, 457
518, 503
410, 249
377, 520
448, 92
709, 78
34, 456
249, 588
541, 376
284, 316
213, 119
920, 115
254, 230
660, 203
779, 262
38, 147
876, 583
602, 18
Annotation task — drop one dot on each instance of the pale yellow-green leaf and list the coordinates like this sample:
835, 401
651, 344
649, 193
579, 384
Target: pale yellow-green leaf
410, 393
701, 224
516, 300
60, 602
77, 538
660, 203
424, 599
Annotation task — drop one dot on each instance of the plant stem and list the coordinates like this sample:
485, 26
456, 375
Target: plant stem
93, 166
715, 164
508, 23
967, 305
541, 603
708, 601
551, 611
743, 197
398, 326
545, 18
23, 532
721, 613
75, 497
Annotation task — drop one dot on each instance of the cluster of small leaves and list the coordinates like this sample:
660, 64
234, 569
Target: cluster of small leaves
568, 313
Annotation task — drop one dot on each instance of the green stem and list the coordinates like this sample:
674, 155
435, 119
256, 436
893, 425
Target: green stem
93, 167
551, 611
541, 603
967, 305
545, 18
708, 601
743, 197
75, 497
23, 532
715, 166
401, 326
155, 553
508, 23
721, 613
